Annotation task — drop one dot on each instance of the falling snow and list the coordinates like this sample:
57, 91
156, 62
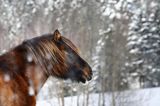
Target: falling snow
31, 91
118, 38
6, 77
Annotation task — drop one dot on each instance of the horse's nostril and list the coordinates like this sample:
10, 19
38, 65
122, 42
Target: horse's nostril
89, 78
87, 73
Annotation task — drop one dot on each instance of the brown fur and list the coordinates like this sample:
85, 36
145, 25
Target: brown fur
25, 68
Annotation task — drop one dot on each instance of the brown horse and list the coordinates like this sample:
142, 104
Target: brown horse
25, 68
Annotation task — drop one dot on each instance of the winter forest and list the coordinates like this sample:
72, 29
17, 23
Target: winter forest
120, 39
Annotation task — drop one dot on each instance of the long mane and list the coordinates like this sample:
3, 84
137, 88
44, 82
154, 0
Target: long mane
70, 44
46, 54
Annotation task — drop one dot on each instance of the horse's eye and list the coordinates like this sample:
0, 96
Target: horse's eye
59, 43
60, 39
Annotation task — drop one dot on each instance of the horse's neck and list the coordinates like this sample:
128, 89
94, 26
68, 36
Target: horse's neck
34, 75
36, 78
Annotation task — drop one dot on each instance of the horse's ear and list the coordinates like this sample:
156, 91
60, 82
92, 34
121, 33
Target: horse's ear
56, 35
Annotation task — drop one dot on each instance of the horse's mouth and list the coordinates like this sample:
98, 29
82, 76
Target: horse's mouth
83, 79
80, 75
87, 74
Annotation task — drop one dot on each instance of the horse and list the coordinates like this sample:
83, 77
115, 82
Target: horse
25, 68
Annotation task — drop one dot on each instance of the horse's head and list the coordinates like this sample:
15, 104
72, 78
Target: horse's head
77, 69
59, 57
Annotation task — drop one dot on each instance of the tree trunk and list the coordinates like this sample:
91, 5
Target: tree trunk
62, 93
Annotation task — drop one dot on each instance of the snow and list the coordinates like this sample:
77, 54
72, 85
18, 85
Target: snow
29, 58
31, 91
142, 97
6, 78
134, 51
153, 4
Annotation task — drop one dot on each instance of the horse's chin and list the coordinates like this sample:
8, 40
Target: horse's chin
83, 80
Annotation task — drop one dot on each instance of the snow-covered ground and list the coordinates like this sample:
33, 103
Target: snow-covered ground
142, 97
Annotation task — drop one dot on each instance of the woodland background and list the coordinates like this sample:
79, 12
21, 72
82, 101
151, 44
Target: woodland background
119, 38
